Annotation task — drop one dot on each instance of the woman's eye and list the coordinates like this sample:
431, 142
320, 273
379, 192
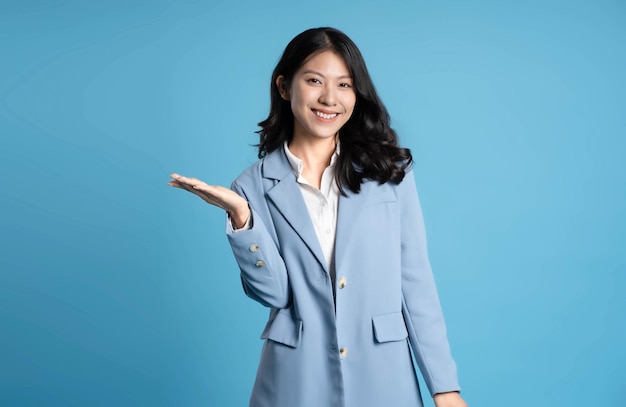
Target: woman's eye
345, 85
314, 80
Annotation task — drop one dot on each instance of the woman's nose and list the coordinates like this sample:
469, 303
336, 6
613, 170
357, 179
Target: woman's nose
328, 96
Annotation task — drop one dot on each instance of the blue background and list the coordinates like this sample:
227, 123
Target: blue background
118, 290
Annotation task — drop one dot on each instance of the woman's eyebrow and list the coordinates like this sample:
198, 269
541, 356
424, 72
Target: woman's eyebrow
323, 76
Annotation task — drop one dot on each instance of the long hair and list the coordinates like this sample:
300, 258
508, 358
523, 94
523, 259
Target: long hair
369, 146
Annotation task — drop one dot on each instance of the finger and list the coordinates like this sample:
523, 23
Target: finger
181, 179
178, 178
175, 184
205, 188
188, 181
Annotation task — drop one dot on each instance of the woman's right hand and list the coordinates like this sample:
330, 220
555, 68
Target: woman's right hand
216, 195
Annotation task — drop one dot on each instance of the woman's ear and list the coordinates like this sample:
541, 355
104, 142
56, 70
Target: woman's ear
282, 87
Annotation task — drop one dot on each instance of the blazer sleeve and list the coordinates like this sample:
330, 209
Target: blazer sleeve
420, 302
263, 272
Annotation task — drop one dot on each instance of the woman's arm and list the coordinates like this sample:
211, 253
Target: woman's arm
421, 308
263, 272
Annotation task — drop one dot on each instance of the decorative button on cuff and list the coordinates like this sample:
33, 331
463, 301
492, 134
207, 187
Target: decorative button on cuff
254, 248
260, 263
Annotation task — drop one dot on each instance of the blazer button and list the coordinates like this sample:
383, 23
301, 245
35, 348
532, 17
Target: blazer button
342, 282
254, 248
343, 352
260, 263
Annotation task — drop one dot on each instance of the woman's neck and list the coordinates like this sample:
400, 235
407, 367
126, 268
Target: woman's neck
315, 155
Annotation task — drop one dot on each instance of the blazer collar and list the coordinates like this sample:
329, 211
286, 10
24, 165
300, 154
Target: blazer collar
287, 198
276, 166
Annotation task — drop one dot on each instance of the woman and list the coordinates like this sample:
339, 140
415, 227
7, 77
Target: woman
327, 230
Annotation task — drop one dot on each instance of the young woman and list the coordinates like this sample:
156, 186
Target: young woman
328, 233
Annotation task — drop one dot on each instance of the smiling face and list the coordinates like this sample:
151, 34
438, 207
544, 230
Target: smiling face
322, 96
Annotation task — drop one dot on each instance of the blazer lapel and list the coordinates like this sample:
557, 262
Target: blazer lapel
287, 198
350, 208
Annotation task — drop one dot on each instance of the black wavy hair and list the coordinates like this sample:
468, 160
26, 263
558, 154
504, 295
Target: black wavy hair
369, 146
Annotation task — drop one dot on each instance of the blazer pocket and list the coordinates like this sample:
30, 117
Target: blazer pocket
389, 327
283, 329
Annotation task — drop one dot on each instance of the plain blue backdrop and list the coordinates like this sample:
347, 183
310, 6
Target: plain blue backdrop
116, 290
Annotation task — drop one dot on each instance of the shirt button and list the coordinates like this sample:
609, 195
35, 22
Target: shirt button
260, 263
254, 248
342, 282
343, 352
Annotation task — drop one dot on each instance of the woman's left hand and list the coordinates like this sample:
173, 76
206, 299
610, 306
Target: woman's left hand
451, 399
216, 195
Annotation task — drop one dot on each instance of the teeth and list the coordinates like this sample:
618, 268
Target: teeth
325, 116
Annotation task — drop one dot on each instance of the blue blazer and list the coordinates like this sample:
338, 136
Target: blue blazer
352, 352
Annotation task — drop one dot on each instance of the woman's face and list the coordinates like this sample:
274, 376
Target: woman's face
321, 94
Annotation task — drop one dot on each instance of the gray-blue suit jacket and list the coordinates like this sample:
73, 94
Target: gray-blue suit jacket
351, 352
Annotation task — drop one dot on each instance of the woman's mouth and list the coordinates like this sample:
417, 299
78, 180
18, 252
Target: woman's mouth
326, 116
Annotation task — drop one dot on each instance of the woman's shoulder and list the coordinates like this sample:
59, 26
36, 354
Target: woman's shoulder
271, 166
250, 176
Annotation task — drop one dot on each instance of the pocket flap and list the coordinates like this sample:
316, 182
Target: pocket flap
389, 327
283, 329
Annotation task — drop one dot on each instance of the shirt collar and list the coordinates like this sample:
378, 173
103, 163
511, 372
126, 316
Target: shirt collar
297, 165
